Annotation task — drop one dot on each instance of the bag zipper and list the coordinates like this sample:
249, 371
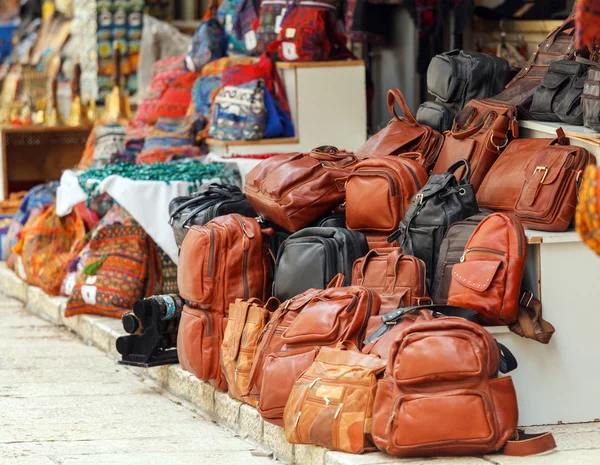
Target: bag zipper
483, 249
363, 329
211, 253
246, 253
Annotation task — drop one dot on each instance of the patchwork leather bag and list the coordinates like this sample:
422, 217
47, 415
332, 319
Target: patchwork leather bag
403, 135
379, 192
293, 190
587, 217
247, 320
331, 404
400, 280
334, 315
559, 96
488, 277
479, 134
441, 395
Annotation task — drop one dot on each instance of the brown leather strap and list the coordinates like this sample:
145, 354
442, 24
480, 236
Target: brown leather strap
529, 444
530, 323
330, 156
394, 95
337, 281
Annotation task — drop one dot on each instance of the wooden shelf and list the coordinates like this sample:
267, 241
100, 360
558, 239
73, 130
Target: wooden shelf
42, 129
319, 64
232, 143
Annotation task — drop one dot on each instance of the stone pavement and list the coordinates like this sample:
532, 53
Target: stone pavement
64, 402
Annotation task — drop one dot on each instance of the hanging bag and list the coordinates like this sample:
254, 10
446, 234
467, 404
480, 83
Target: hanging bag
209, 42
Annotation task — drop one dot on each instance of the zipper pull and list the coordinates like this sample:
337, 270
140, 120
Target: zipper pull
297, 419
462, 257
314, 382
514, 127
339, 409
247, 231
235, 375
326, 399
391, 420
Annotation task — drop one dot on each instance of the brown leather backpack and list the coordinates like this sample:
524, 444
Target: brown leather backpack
247, 319
441, 395
379, 191
403, 135
293, 190
399, 279
488, 277
334, 315
331, 404
479, 134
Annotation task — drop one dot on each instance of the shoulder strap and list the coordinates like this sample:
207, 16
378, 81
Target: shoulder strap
394, 95
530, 323
529, 444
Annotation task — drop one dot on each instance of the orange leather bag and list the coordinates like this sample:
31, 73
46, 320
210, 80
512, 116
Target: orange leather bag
488, 277
247, 320
441, 395
479, 134
379, 191
403, 135
293, 190
333, 315
398, 279
331, 404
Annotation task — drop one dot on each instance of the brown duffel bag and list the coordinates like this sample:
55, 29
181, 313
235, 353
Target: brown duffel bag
293, 190
403, 135
334, 315
399, 279
441, 394
558, 45
538, 180
479, 134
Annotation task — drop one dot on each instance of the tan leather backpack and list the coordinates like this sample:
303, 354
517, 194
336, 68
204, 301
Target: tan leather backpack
398, 279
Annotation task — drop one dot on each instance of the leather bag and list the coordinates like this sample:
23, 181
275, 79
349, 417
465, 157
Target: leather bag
558, 45
442, 201
451, 250
559, 96
479, 134
488, 277
334, 315
222, 261
379, 192
403, 135
398, 279
294, 190
441, 394
199, 209
311, 258
457, 77
247, 319
590, 100
331, 404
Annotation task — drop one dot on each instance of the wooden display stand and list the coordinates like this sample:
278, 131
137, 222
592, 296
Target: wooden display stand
559, 382
34, 154
328, 106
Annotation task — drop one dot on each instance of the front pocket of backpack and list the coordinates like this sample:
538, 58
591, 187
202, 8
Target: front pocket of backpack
436, 420
198, 343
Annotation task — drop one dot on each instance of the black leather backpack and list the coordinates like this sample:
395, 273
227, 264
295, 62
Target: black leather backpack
442, 201
457, 77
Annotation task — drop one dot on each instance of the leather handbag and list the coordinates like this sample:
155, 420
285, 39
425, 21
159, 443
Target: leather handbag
222, 261
398, 279
559, 96
247, 319
441, 394
294, 190
199, 209
311, 258
379, 192
558, 45
403, 135
457, 77
442, 201
334, 315
590, 100
451, 250
488, 276
587, 217
331, 404
479, 134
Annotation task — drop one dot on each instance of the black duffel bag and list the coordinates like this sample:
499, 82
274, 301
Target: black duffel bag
199, 209
442, 201
310, 258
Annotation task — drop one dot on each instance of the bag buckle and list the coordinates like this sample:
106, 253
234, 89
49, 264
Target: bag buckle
544, 169
528, 296
419, 198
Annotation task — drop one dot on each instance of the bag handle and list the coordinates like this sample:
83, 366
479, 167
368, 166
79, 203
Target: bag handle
508, 362
459, 164
394, 95
337, 281
330, 156
530, 323
529, 444
377, 253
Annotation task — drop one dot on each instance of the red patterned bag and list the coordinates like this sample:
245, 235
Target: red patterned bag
175, 100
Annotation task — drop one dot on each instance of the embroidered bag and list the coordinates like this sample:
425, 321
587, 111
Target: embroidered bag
239, 112
587, 215
279, 123
270, 17
173, 132
244, 22
209, 43
203, 93
110, 141
226, 14
123, 267
175, 101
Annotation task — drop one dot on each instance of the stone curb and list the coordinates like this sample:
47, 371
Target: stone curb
102, 332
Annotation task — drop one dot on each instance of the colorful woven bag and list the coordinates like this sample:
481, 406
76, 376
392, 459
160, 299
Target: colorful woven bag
204, 92
209, 43
175, 101
173, 132
226, 14
587, 215
270, 17
49, 242
110, 141
239, 112
123, 266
